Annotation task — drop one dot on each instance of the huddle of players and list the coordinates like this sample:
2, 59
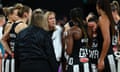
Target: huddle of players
91, 45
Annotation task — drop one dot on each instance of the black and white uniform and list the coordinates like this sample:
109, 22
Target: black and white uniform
110, 65
73, 59
8, 64
79, 51
115, 44
93, 54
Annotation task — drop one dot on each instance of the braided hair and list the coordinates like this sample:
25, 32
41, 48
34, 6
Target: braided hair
76, 15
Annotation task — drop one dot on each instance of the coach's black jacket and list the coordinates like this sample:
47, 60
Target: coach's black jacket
34, 44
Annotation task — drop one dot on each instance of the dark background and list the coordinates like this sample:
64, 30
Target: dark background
61, 7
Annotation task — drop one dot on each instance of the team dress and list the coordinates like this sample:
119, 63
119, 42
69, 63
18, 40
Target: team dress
115, 44
8, 63
110, 64
82, 56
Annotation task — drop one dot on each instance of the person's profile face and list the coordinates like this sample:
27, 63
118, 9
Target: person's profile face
15, 15
51, 20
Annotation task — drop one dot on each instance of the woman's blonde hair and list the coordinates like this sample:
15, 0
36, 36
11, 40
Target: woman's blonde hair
115, 6
46, 17
37, 19
18, 5
8, 10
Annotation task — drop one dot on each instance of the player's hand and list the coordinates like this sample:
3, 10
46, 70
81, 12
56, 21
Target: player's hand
12, 55
101, 65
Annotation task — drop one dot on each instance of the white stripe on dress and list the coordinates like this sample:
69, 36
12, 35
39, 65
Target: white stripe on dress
86, 67
13, 65
118, 64
111, 63
94, 68
76, 68
7, 65
3, 60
